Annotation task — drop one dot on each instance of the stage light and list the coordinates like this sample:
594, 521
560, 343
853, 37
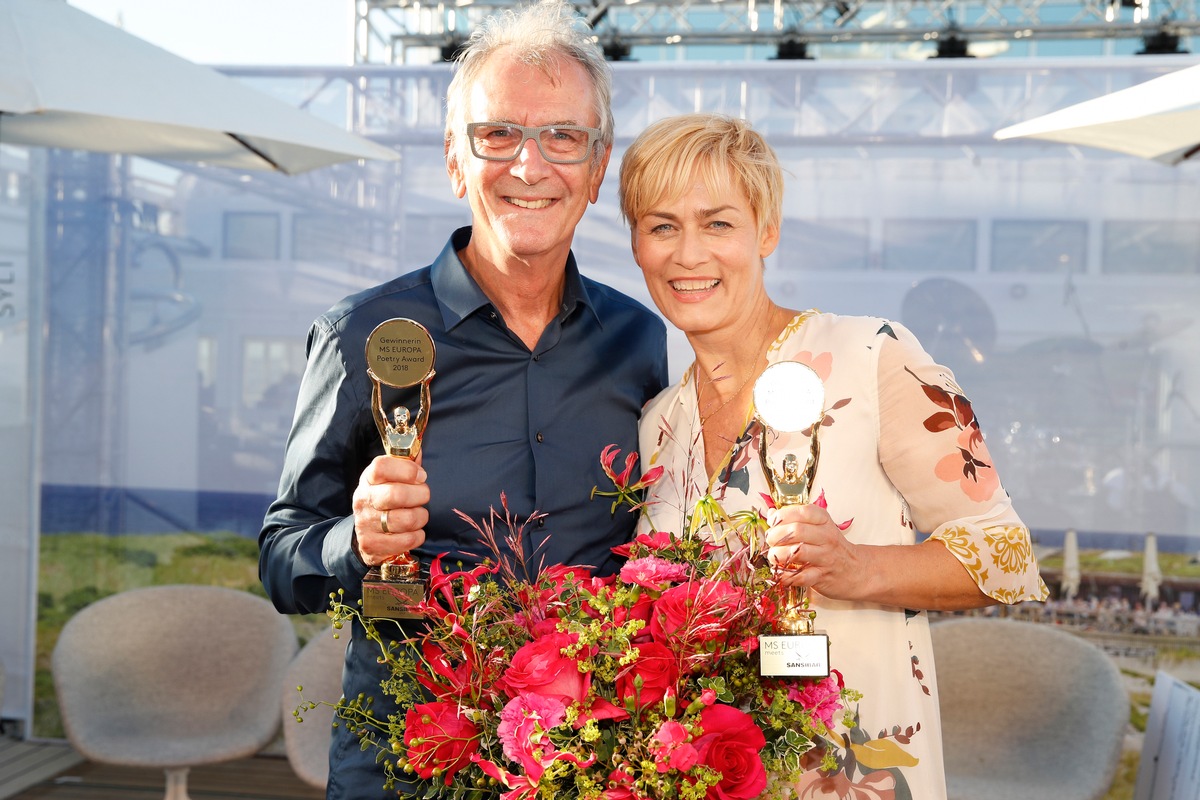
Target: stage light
951, 45
791, 50
451, 47
616, 50
1160, 43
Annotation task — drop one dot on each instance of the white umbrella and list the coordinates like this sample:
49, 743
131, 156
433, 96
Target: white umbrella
1071, 574
1158, 120
1151, 573
72, 81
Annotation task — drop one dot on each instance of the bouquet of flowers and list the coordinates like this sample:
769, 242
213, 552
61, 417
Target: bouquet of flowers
556, 683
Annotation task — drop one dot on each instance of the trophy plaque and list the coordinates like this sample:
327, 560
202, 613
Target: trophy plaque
400, 354
789, 398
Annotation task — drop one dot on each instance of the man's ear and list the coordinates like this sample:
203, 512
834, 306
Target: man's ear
597, 176
458, 182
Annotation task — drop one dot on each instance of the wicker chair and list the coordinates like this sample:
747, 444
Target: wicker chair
172, 677
1028, 711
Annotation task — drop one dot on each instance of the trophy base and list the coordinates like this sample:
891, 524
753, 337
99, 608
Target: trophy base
391, 599
794, 656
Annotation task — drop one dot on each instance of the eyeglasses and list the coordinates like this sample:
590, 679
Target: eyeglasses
558, 144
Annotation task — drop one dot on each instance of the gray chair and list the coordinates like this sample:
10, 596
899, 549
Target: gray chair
172, 677
317, 668
1028, 711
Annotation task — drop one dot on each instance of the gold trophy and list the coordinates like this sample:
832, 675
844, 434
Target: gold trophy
789, 398
400, 354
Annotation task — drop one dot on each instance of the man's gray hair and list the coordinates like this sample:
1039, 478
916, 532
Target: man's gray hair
539, 34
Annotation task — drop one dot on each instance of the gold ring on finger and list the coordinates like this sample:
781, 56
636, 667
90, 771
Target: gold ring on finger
383, 521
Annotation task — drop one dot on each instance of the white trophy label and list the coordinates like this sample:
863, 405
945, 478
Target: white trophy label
786, 656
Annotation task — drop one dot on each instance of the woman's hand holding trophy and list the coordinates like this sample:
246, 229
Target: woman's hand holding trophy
790, 398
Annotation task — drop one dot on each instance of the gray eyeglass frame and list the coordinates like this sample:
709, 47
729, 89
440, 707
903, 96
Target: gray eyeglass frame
535, 134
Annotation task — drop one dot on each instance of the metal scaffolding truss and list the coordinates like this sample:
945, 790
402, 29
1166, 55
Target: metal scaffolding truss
412, 31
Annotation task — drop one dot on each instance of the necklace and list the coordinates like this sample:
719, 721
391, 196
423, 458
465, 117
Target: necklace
753, 370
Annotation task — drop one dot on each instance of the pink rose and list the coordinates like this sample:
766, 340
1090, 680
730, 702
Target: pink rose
438, 735
541, 668
823, 698
652, 572
656, 668
730, 744
525, 723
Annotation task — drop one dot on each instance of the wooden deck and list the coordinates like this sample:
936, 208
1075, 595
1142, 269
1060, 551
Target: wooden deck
264, 777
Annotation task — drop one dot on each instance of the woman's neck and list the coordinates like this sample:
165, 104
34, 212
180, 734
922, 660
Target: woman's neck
731, 357
727, 365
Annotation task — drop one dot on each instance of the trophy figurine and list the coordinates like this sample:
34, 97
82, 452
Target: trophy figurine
789, 398
400, 354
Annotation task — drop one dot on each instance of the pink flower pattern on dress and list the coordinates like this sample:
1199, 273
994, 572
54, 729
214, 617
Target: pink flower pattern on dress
970, 465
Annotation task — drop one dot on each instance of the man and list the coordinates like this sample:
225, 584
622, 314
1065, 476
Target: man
537, 368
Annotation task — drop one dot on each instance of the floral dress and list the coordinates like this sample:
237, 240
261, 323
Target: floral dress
901, 452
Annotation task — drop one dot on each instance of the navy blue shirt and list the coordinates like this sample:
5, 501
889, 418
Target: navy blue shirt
502, 419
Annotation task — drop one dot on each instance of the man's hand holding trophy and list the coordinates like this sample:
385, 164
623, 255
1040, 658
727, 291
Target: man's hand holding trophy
400, 354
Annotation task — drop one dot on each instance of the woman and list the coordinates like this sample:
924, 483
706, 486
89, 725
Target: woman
900, 450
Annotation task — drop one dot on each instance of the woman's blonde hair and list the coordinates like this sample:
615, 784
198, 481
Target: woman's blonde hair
724, 152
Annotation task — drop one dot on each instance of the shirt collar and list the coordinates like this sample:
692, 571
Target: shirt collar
459, 296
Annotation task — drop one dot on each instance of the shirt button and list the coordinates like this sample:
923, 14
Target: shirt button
540, 438
541, 522
536, 358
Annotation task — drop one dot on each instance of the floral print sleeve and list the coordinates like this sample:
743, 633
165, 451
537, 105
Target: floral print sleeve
932, 448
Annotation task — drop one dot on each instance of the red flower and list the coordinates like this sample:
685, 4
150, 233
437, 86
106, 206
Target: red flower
608, 456
693, 617
672, 748
620, 786
540, 667
730, 744
438, 735
625, 492
559, 578
641, 609
653, 541
656, 669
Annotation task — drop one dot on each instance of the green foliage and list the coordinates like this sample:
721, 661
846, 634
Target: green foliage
1179, 565
223, 545
1126, 777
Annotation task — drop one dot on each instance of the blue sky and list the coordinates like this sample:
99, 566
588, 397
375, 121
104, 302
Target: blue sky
300, 32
